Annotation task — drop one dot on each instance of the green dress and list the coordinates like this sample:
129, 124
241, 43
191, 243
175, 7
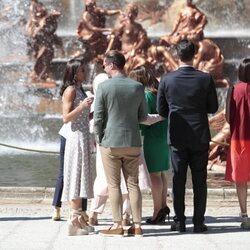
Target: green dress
155, 145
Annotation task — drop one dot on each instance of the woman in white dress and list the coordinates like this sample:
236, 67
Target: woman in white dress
78, 171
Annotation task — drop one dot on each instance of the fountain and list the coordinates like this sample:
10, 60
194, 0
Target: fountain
31, 116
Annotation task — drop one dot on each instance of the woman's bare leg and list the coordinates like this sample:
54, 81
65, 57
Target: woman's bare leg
76, 204
157, 189
164, 189
241, 189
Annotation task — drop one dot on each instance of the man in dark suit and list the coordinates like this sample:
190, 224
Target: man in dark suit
185, 96
120, 106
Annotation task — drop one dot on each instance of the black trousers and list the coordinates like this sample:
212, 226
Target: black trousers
197, 160
59, 181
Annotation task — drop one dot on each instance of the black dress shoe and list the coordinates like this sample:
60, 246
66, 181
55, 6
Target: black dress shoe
200, 229
178, 226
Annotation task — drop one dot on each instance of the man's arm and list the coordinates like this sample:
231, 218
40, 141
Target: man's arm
99, 115
162, 105
212, 100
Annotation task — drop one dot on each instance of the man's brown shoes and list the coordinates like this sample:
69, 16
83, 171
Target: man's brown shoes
117, 232
132, 231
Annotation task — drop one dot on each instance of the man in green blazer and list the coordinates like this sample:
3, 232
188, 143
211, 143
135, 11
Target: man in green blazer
119, 108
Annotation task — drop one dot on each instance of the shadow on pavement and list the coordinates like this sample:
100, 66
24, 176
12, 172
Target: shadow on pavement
24, 218
228, 225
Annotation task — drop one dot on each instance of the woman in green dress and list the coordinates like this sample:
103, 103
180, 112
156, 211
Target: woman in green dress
155, 146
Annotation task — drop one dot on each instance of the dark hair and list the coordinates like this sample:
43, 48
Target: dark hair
185, 50
70, 72
115, 57
244, 70
145, 75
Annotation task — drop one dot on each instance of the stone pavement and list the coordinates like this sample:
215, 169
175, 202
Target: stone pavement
25, 224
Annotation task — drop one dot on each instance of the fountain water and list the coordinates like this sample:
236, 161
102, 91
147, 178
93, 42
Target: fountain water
30, 117
25, 120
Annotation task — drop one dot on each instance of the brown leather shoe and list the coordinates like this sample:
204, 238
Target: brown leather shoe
93, 221
132, 231
118, 232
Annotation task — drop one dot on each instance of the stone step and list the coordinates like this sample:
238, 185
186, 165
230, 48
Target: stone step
44, 193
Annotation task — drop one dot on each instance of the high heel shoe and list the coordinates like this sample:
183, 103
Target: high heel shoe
160, 218
166, 211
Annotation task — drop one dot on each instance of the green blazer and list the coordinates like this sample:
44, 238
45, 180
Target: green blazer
119, 108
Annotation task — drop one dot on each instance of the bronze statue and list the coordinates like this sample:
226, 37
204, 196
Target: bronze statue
132, 37
36, 11
218, 146
210, 59
41, 29
189, 25
92, 25
159, 55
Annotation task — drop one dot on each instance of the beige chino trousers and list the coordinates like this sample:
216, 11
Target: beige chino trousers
127, 160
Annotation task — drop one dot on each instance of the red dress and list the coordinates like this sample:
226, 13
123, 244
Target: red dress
238, 159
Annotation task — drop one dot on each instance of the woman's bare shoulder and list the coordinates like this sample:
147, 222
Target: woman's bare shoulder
69, 92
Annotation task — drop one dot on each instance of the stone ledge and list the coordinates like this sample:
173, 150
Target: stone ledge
45, 193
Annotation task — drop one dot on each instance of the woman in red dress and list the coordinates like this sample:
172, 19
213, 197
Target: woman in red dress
238, 116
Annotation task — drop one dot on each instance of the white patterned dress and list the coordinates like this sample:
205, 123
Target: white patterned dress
78, 167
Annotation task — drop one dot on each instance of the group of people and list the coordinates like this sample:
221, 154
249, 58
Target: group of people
170, 116
132, 108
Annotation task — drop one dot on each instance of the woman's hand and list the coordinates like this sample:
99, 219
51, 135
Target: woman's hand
86, 102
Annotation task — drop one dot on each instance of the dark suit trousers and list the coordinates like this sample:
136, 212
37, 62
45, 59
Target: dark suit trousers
197, 160
59, 181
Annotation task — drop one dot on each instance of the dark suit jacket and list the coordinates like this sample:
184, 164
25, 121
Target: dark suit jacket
120, 106
185, 96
